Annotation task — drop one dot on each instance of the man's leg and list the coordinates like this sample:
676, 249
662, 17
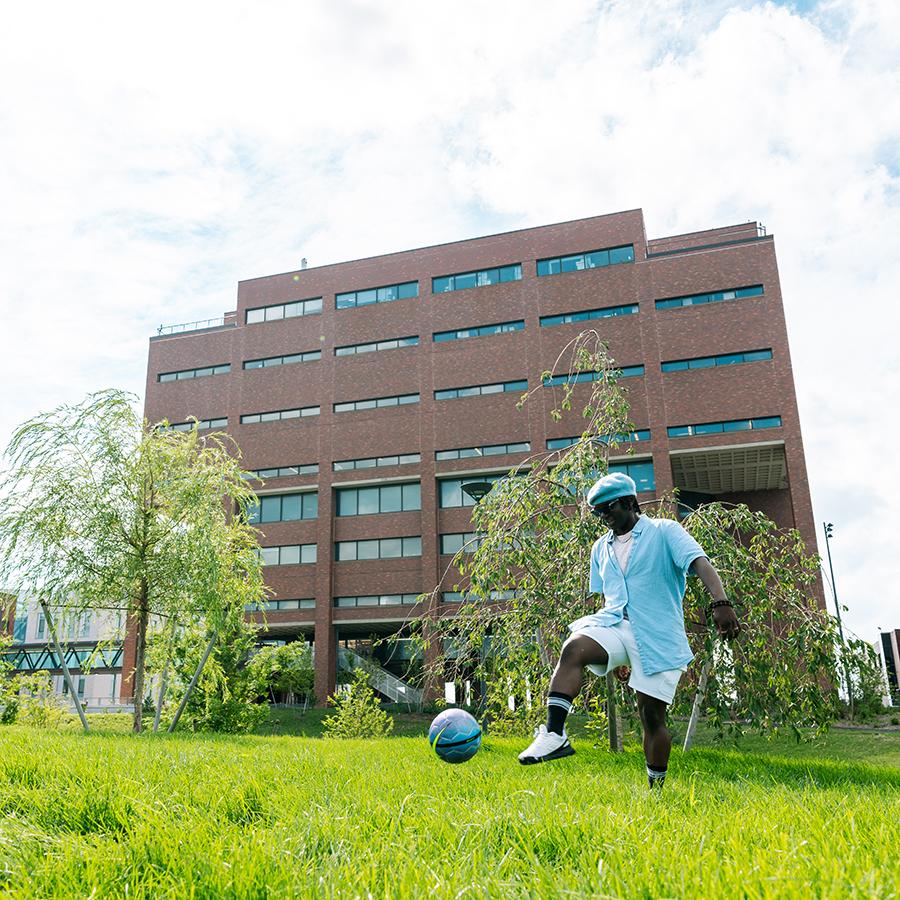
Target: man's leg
657, 739
551, 741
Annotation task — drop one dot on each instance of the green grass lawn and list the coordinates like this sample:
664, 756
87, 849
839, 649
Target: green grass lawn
112, 815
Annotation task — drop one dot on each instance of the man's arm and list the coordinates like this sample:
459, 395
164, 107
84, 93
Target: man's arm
724, 616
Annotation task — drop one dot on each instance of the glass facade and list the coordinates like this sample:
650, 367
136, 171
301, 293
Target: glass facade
385, 498
285, 508
382, 548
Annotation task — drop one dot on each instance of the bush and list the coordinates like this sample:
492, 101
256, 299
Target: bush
358, 714
38, 704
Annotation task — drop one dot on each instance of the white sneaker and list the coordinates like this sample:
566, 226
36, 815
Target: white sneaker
546, 745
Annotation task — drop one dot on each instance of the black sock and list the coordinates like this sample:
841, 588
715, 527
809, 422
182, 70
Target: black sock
656, 777
558, 707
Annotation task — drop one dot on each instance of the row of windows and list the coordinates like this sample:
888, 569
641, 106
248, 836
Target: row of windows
584, 315
284, 311
383, 548
452, 496
463, 280
579, 377
718, 427
187, 374
723, 359
713, 297
483, 277
278, 414
392, 344
478, 331
460, 597
202, 425
478, 389
624, 438
593, 259
270, 361
365, 501
285, 508
288, 555
451, 544
376, 403
286, 471
384, 294
373, 462
377, 600
280, 605
488, 450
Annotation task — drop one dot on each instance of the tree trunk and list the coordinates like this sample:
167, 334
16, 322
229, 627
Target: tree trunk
165, 677
140, 655
612, 713
194, 680
62, 661
699, 697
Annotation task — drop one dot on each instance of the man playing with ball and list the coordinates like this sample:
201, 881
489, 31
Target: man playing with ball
640, 566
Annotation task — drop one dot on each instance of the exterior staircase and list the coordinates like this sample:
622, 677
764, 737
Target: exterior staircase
381, 680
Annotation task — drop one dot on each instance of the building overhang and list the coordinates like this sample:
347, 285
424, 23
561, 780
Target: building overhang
731, 469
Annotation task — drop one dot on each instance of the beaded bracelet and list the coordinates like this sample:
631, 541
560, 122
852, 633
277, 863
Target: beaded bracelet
717, 603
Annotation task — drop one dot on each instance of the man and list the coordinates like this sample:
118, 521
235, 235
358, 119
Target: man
640, 567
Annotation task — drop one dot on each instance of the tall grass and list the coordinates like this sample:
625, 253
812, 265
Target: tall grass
115, 816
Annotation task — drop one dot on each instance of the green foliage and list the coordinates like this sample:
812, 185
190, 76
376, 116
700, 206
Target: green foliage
286, 670
38, 705
358, 714
861, 665
103, 510
534, 539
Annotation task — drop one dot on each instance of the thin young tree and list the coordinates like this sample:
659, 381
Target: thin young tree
103, 511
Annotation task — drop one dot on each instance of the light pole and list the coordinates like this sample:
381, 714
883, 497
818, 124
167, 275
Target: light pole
477, 490
829, 528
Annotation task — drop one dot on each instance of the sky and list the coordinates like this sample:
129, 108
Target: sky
151, 156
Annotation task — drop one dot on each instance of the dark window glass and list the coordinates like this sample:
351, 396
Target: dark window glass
740, 425
621, 255
466, 280
410, 289
271, 509
769, 422
442, 285
290, 507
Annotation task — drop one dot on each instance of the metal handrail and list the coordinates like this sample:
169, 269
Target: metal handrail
191, 326
382, 680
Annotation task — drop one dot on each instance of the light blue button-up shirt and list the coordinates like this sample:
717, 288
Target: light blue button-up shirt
652, 589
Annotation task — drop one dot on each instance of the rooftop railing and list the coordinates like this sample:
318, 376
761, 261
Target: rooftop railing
229, 319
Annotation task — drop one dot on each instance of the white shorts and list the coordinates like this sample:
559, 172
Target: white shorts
618, 641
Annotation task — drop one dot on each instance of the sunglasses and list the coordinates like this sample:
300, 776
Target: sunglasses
604, 508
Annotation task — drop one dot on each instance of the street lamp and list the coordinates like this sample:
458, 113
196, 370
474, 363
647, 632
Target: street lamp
829, 528
477, 489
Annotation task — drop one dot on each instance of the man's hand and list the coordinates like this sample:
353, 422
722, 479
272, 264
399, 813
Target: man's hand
623, 673
726, 622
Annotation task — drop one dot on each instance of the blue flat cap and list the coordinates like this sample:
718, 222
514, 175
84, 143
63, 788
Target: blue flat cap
609, 487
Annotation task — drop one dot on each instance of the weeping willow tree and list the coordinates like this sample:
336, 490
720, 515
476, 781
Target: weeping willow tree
104, 511
524, 577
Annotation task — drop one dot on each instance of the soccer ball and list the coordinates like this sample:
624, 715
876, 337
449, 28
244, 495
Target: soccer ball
455, 735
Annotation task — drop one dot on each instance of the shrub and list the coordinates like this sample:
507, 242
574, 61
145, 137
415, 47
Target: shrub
358, 714
38, 704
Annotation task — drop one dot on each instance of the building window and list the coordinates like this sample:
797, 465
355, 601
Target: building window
383, 548
377, 295
579, 377
469, 541
288, 555
20, 629
202, 425
284, 508
187, 374
755, 290
584, 315
377, 600
270, 361
374, 462
452, 496
284, 311
723, 359
285, 471
376, 403
720, 427
279, 414
624, 438
641, 472
478, 331
460, 597
385, 498
281, 605
464, 280
372, 347
488, 450
593, 259
479, 389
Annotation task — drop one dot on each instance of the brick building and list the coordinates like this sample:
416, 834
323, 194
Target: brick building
365, 393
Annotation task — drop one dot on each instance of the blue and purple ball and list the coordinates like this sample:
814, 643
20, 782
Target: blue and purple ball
455, 735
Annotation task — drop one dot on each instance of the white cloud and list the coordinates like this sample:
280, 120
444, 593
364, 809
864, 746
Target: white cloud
150, 160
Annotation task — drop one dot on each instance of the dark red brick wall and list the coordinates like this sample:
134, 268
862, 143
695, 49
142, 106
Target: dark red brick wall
740, 258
